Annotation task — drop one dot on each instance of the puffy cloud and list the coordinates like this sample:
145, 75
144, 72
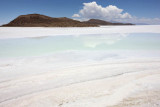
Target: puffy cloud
93, 10
111, 13
76, 15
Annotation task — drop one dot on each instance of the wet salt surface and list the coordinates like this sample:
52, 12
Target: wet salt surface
37, 46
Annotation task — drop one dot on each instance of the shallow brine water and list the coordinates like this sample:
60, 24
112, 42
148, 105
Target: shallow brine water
19, 47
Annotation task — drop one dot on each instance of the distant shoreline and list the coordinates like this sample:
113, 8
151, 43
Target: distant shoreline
21, 32
38, 20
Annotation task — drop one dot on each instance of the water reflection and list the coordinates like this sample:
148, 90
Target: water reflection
108, 39
45, 45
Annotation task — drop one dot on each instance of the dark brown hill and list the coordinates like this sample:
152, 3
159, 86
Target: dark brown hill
102, 22
37, 20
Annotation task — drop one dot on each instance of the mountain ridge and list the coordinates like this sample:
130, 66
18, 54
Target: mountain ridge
102, 22
38, 20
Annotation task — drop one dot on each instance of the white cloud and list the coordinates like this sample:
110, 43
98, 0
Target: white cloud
76, 15
93, 10
110, 13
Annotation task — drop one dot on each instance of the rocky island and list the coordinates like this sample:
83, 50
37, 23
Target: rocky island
38, 20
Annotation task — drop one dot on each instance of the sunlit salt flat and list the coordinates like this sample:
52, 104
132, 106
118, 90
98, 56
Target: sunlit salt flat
104, 67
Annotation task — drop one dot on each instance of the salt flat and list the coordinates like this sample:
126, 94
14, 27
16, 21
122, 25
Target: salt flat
20, 32
115, 66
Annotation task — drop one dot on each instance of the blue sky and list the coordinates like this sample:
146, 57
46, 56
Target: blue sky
146, 10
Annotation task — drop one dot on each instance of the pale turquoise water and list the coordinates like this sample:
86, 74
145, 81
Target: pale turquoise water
48, 45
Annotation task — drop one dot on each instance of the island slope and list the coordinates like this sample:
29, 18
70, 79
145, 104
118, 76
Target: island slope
37, 20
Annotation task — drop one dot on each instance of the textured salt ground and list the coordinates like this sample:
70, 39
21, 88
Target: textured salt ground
76, 89
149, 98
